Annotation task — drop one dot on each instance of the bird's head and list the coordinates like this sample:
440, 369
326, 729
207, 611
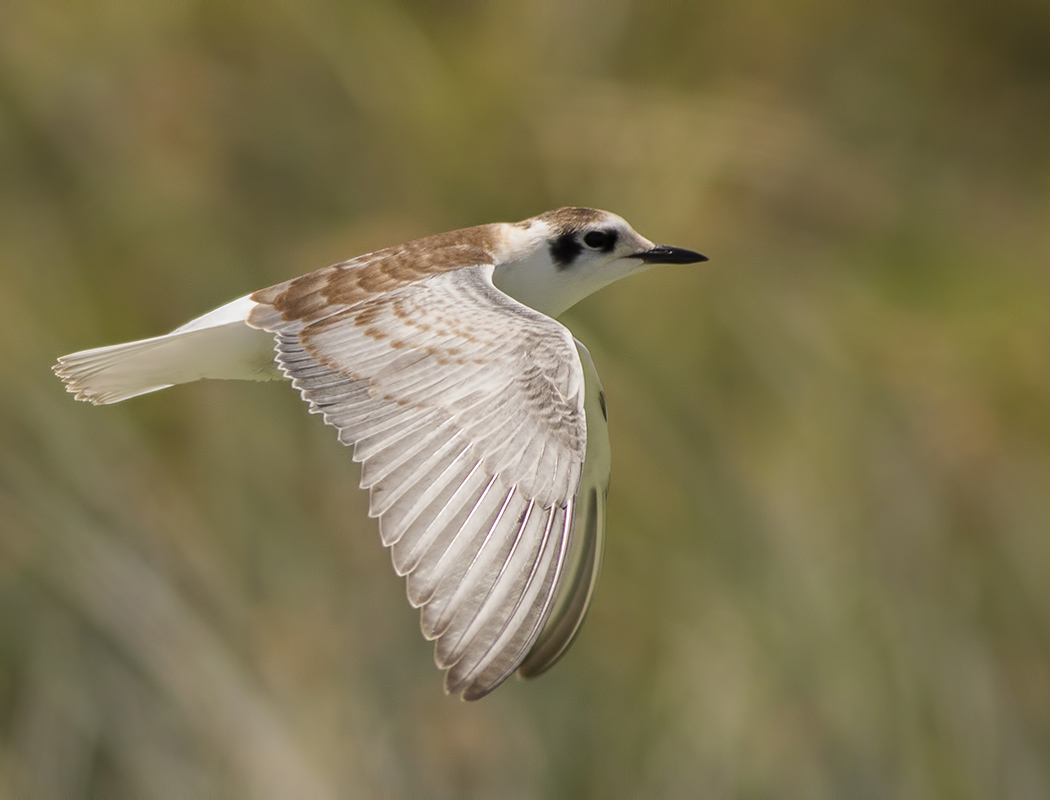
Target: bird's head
552, 261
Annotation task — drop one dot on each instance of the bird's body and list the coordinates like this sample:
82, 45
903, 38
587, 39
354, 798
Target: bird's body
478, 419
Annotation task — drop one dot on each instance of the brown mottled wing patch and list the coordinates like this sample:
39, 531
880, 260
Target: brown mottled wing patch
465, 409
312, 296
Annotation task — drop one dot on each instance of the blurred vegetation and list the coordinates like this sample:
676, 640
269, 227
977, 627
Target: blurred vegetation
828, 571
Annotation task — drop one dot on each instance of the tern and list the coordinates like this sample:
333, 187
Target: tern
479, 420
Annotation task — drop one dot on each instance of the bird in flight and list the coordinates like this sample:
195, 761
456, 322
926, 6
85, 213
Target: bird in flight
478, 420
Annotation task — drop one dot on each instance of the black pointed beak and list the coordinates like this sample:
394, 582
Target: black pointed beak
665, 254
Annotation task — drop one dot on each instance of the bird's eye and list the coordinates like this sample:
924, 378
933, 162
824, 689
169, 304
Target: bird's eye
600, 240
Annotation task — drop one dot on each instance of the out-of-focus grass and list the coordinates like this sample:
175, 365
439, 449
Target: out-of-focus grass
828, 571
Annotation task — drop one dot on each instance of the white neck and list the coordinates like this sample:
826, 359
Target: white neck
531, 277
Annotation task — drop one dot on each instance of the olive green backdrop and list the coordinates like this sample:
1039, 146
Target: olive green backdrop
828, 563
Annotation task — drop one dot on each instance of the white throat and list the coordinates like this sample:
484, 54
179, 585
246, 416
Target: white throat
527, 272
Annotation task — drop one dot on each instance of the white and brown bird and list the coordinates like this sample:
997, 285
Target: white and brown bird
479, 421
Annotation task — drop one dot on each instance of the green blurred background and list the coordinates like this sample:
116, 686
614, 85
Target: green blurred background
828, 563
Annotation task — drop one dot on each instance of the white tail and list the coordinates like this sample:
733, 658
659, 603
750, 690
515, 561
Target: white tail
218, 345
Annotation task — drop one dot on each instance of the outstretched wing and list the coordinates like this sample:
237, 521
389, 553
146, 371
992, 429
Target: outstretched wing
466, 410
